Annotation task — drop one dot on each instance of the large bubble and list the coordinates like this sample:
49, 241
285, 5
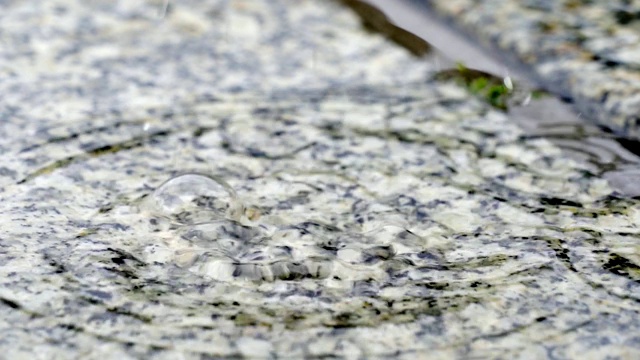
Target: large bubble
194, 198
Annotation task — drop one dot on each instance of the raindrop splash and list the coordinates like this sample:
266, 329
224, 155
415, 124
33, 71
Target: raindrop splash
211, 236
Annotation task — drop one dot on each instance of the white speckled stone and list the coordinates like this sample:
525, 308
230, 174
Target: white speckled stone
374, 213
588, 51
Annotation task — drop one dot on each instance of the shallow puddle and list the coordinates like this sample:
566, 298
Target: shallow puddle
417, 213
377, 214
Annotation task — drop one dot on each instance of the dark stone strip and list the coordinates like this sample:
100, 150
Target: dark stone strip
375, 20
133, 143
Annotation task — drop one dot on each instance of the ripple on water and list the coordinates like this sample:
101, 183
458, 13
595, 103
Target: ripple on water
211, 236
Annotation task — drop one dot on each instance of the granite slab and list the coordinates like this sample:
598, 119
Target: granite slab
585, 51
268, 180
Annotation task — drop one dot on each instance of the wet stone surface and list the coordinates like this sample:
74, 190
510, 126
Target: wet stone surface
212, 201
586, 51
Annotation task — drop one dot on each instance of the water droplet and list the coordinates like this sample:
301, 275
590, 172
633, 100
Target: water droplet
205, 234
508, 83
194, 198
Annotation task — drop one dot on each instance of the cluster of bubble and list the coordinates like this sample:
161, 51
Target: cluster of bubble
218, 238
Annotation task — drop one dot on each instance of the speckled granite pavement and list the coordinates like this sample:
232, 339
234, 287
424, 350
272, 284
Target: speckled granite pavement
588, 51
265, 179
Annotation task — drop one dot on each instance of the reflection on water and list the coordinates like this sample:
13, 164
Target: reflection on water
542, 116
614, 158
607, 155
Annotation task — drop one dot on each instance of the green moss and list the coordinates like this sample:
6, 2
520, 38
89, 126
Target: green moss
539, 94
487, 87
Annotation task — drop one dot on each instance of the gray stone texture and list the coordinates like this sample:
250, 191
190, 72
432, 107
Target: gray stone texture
587, 51
266, 179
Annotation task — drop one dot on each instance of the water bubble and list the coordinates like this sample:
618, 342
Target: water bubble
230, 251
393, 234
194, 198
209, 234
212, 237
228, 270
226, 250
